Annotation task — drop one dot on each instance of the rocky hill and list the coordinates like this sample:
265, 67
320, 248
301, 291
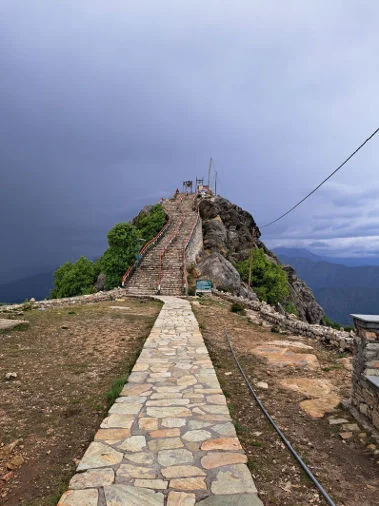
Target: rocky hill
227, 237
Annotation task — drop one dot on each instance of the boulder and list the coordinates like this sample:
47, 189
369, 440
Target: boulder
222, 273
215, 235
100, 282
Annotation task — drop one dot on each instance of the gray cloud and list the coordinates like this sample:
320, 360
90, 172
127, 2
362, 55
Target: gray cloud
106, 106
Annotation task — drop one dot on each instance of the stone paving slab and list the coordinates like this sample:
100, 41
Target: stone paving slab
168, 439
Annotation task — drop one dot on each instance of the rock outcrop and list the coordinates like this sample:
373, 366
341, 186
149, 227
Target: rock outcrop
227, 228
303, 298
223, 274
227, 237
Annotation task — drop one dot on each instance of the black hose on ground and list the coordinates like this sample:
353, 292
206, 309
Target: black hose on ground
280, 433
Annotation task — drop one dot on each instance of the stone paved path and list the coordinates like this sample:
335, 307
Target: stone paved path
168, 438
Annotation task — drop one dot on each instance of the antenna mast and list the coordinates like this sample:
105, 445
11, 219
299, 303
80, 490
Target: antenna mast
209, 172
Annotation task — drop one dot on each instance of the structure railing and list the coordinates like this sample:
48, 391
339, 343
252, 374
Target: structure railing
185, 281
146, 247
173, 236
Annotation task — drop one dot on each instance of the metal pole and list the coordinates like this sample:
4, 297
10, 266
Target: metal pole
209, 173
251, 261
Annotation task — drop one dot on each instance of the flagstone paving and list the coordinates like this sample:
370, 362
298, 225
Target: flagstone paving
168, 439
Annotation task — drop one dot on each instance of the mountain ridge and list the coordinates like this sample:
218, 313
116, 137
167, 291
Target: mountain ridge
340, 289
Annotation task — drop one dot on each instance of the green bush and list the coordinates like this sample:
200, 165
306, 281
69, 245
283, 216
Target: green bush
330, 323
123, 246
335, 325
269, 281
123, 239
291, 309
238, 308
72, 279
149, 224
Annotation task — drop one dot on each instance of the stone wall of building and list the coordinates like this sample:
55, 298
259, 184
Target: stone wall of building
365, 394
339, 339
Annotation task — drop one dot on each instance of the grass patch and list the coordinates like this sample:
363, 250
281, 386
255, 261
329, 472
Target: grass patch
238, 308
115, 390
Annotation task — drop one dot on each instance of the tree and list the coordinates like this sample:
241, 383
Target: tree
79, 278
72, 279
149, 224
123, 246
269, 281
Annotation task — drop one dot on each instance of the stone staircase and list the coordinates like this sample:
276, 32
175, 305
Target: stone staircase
168, 273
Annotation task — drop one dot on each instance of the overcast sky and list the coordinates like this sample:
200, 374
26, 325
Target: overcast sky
108, 105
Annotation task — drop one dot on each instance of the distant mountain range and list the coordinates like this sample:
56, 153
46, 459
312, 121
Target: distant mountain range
348, 261
339, 289
37, 286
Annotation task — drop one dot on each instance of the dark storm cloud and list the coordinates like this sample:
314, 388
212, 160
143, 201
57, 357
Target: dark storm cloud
107, 106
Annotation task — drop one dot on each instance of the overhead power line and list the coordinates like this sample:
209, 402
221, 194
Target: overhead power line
322, 182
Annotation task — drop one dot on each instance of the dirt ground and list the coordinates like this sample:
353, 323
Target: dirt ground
65, 360
347, 469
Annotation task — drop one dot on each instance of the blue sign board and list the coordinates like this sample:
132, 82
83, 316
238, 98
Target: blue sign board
203, 285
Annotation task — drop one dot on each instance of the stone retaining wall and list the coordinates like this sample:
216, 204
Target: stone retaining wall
341, 340
195, 244
70, 301
365, 396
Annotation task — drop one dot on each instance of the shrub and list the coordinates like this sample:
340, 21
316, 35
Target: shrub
149, 224
337, 326
269, 281
238, 308
79, 278
291, 309
123, 246
72, 279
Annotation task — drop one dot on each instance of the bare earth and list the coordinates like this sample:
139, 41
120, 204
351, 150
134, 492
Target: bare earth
301, 388
65, 360
68, 357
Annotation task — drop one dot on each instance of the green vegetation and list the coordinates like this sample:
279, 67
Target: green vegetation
269, 281
149, 224
123, 246
72, 279
124, 241
238, 308
291, 309
115, 390
334, 325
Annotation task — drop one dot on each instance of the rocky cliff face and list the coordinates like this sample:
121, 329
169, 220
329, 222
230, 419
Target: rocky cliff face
227, 236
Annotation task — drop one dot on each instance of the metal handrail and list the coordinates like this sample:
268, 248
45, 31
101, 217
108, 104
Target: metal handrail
185, 287
146, 247
163, 250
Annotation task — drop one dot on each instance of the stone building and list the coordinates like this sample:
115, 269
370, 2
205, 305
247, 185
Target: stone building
365, 394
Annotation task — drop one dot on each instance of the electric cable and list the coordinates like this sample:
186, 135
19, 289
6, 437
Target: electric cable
280, 433
324, 181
